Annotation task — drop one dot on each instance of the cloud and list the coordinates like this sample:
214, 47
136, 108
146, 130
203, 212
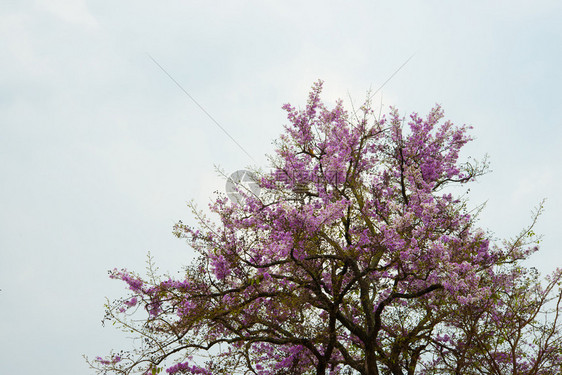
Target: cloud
533, 183
72, 11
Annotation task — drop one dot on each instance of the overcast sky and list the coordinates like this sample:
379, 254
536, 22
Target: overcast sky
100, 151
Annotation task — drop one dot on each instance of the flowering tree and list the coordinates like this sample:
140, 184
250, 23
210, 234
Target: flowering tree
356, 258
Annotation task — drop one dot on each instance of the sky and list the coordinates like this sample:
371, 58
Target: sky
100, 150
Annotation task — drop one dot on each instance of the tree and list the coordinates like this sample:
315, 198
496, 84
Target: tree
356, 258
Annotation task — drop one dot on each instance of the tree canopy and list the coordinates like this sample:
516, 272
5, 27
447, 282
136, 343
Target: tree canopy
357, 257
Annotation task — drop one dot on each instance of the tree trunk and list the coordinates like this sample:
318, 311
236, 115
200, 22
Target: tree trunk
371, 367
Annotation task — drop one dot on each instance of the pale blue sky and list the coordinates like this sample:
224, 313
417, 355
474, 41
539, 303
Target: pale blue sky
99, 151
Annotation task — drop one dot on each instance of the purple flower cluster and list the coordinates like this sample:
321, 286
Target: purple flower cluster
356, 255
187, 369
